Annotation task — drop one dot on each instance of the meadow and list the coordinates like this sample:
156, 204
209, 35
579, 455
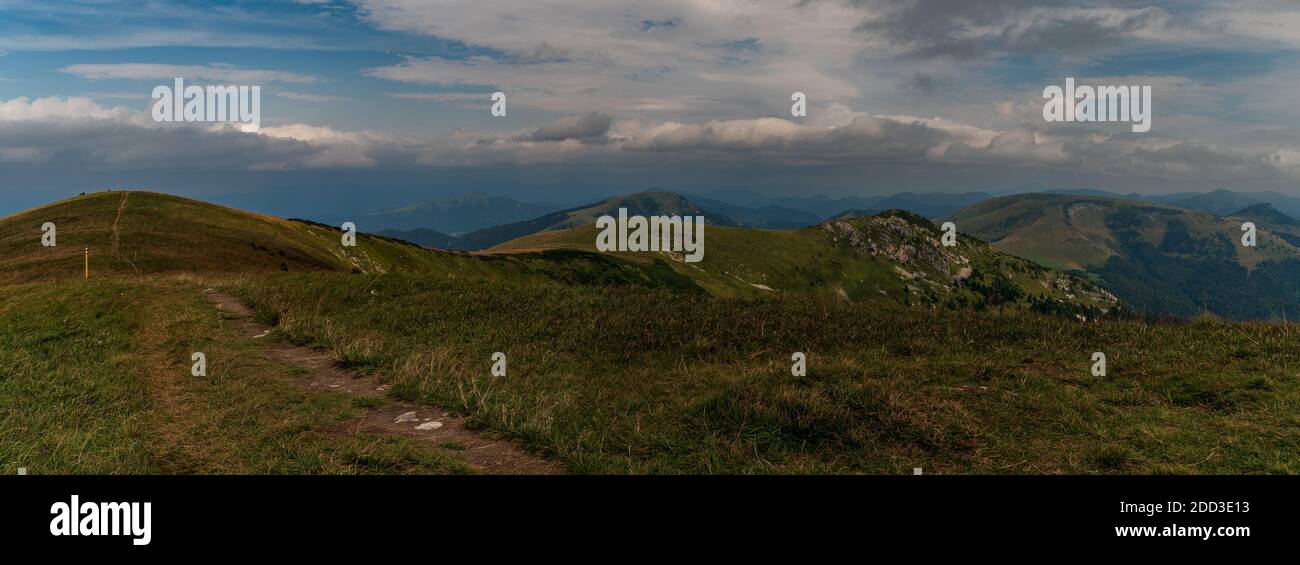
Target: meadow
634, 380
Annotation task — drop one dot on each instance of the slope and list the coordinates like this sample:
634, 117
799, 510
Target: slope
1161, 258
895, 256
143, 233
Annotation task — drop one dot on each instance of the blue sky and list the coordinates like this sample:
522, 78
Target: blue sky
376, 103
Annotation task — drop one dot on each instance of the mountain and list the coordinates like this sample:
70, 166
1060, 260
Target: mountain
1285, 203
895, 256
824, 207
641, 203
854, 213
422, 237
931, 204
1264, 214
770, 216
1219, 201
456, 214
1159, 258
1083, 192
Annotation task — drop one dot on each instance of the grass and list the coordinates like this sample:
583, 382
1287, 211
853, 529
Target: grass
762, 263
68, 399
653, 381
616, 364
95, 378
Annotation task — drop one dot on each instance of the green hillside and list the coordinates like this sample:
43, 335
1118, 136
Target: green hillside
1160, 258
895, 257
143, 233
618, 363
139, 232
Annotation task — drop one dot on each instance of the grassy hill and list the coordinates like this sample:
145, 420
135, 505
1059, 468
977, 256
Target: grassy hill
618, 364
1161, 258
895, 257
140, 233
137, 232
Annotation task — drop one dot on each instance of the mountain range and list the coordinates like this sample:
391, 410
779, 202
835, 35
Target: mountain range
454, 215
893, 257
1158, 258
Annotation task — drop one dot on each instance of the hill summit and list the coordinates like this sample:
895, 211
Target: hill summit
140, 233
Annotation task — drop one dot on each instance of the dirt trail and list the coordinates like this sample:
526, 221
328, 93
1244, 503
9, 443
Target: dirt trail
483, 453
117, 231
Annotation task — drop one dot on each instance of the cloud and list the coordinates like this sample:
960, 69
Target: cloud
80, 133
966, 30
213, 72
306, 97
587, 127
693, 58
23, 108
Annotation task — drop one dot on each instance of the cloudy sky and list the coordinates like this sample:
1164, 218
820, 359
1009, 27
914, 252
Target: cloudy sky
369, 104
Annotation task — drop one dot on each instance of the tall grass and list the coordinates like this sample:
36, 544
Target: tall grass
624, 379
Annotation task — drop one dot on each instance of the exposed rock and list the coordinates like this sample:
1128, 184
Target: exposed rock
405, 417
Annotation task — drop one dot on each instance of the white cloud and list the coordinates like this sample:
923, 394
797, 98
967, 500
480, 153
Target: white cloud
308, 97
82, 133
701, 58
23, 108
215, 72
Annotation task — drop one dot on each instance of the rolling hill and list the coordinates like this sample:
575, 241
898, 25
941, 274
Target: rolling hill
894, 256
1161, 258
137, 233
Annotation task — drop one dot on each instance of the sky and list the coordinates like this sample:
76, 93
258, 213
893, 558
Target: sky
373, 104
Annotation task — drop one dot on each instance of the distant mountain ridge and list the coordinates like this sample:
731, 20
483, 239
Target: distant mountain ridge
453, 215
640, 203
1160, 258
1221, 201
422, 237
